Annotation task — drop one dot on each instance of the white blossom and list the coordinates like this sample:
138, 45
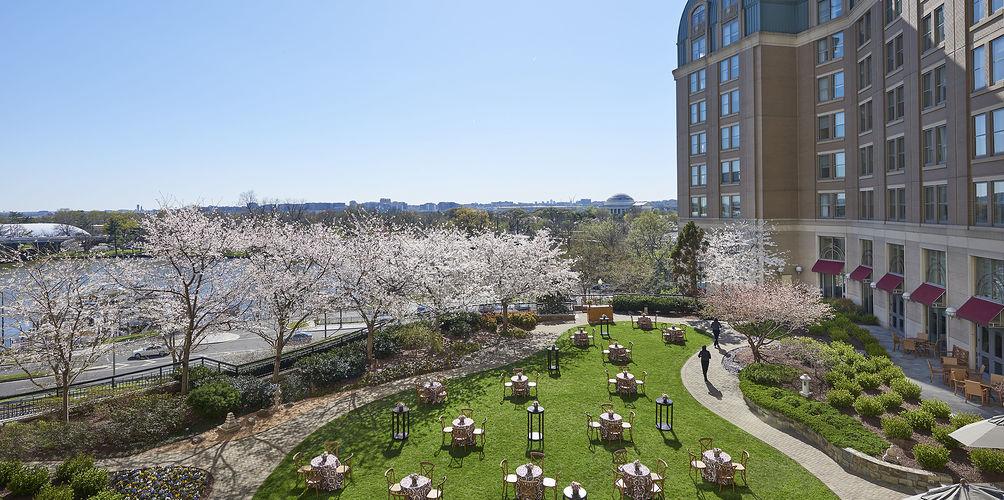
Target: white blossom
743, 251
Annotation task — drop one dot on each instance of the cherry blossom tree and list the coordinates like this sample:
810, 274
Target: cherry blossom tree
375, 272
288, 264
766, 311
64, 311
515, 266
743, 251
192, 284
444, 265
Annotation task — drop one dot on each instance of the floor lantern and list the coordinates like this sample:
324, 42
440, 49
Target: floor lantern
664, 413
400, 422
535, 424
553, 365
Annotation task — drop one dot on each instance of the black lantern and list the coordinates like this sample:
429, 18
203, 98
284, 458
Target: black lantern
663, 409
553, 366
605, 326
400, 422
535, 424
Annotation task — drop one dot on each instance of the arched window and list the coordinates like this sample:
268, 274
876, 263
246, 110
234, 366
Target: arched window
698, 18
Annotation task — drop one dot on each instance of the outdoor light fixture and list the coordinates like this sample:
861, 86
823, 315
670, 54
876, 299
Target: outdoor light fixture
906, 295
798, 269
552, 360
805, 385
400, 422
873, 284
950, 312
535, 424
664, 409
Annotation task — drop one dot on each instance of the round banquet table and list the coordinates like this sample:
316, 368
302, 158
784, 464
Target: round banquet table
570, 495
326, 466
608, 421
531, 472
465, 428
626, 382
416, 486
520, 384
712, 461
637, 480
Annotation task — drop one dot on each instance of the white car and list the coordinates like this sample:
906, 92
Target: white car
153, 351
304, 337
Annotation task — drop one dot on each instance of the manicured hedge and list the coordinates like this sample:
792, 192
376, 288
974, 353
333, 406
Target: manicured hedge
336, 365
837, 428
840, 328
665, 306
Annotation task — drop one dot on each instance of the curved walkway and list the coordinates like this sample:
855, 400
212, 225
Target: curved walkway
241, 463
722, 396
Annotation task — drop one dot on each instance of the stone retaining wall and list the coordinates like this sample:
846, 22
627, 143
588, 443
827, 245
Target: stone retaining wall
855, 462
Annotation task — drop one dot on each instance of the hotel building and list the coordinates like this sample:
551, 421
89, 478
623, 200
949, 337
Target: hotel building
871, 132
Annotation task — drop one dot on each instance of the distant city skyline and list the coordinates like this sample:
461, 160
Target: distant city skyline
114, 104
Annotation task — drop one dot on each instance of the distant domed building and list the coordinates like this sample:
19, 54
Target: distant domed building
620, 204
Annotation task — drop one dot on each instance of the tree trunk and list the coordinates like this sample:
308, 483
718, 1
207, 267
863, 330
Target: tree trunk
186, 352
755, 347
505, 316
65, 390
370, 334
278, 359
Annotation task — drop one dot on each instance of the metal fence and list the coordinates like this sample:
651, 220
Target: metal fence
44, 401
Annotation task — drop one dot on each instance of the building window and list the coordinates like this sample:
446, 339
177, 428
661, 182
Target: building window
698, 48
866, 160
934, 87
866, 253
935, 145
729, 103
896, 257
980, 133
933, 26
730, 33
728, 69
697, 81
936, 265
895, 154
831, 165
698, 143
895, 204
865, 117
866, 205
989, 278
895, 107
828, 9
830, 126
893, 9
830, 87
730, 172
698, 206
831, 248
730, 206
699, 175
894, 54
979, 68
832, 205
997, 60
698, 112
988, 203
998, 121
865, 72
698, 19
936, 204
830, 48
730, 137
979, 11
865, 28
728, 5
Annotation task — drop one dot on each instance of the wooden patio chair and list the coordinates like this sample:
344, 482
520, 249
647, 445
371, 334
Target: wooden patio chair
479, 432
537, 458
611, 382
909, 346
551, 483
974, 388
958, 379
619, 459
997, 386
696, 464
345, 467
333, 447
393, 485
706, 444
506, 385
607, 407
640, 382
659, 476
897, 342
507, 478
725, 476
447, 430
467, 412
426, 469
934, 371
527, 489
437, 492
628, 427
592, 428
741, 466
532, 384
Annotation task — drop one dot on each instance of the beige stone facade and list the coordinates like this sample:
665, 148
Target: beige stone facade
935, 140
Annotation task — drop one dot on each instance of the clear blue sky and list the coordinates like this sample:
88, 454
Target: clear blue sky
109, 104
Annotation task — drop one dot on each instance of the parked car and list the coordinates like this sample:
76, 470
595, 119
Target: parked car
153, 351
523, 307
304, 337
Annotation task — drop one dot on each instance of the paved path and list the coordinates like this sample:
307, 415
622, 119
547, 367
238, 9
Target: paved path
242, 463
917, 370
722, 396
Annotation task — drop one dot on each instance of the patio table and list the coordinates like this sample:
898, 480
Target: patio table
530, 473
626, 383
463, 429
326, 466
608, 422
712, 458
618, 352
570, 494
637, 480
434, 390
416, 486
520, 384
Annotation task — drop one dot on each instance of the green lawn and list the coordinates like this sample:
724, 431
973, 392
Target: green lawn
581, 388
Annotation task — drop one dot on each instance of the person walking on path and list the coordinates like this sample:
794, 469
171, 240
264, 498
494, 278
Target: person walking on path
705, 356
716, 330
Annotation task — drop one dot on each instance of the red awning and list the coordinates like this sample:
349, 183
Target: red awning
889, 282
927, 294
823, 266
861, 273
979, 311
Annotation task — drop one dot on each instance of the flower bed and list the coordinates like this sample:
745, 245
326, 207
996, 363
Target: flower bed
167, 483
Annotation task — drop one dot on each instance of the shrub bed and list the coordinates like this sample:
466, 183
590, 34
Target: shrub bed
987, 460
896, 428
214, 399
663, 306
841, 328
931, 456
328, 368
162, 482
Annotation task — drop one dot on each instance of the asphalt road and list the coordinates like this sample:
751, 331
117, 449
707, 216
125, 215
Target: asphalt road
244, 347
